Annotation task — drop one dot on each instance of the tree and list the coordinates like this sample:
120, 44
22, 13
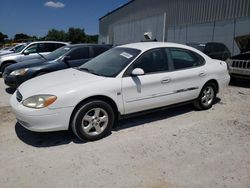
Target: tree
21, 37
3, 37
76, 35
91, 38
56, 35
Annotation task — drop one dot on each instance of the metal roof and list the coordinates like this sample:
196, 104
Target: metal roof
116, 9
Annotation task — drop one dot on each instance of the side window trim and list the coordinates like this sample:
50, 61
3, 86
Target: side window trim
170, 60
91, 51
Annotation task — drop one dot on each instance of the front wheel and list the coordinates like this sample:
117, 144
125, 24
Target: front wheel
206, 97
4, 66
93, 120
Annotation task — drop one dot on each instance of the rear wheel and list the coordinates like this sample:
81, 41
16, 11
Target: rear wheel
206, 97
93, 120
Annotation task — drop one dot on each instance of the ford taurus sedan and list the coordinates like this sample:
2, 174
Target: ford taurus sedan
124, 80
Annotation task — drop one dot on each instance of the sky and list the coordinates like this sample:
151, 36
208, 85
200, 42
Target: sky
36, 17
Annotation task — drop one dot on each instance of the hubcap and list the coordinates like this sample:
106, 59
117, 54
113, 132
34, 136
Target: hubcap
95, 121
207, 96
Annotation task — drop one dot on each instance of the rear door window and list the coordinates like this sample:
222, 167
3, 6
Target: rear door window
46, 47
183, 59
97, 50
79, 53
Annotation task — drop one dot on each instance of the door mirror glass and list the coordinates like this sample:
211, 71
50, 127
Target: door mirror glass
66, 59
137, 72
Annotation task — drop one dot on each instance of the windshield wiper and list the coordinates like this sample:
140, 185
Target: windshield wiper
89, 70
42, 56
83, 69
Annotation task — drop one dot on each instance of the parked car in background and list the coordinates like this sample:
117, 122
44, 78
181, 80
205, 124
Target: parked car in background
30, 51
62, 58
239, 65
12, 49
124, 80
215, 50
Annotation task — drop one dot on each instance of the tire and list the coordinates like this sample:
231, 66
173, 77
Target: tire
93, 120
206, 97
4, 66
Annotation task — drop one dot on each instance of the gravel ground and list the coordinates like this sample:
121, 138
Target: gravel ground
178, 147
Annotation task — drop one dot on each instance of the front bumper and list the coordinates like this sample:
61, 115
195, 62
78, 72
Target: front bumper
239, 72
41, 120
13, 81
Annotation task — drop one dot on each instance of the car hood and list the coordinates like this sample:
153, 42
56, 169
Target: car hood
10, 55
26, 64
62, 81
243, 43
5, 52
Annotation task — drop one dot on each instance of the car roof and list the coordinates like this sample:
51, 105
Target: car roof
203, 43
49, 42
144, 46
88, 44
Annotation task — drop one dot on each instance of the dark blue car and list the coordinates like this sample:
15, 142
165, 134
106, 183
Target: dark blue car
62, 58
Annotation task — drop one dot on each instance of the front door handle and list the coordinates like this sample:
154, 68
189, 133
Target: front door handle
165, 80
201, 74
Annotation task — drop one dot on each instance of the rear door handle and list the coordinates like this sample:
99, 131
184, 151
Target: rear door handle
165, 80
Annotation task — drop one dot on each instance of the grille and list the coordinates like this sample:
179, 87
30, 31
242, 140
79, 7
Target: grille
240, 64
19, 96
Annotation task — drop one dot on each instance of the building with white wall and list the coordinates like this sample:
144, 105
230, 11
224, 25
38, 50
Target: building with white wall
181, 21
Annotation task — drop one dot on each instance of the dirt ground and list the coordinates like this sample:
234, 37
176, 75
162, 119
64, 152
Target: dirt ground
177, 147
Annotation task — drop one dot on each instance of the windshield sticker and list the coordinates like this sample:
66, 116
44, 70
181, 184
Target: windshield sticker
126, 55
66, 48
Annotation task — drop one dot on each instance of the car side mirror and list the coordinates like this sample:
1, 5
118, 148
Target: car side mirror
66, 60
137, 72
26, 52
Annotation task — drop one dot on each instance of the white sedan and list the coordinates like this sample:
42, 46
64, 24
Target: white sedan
124, 80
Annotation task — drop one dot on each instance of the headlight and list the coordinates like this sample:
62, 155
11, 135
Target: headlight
39, 101
19, 72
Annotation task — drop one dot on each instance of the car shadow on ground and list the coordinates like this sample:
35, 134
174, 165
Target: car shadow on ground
65, 137
157, 116
47, 139
240, 83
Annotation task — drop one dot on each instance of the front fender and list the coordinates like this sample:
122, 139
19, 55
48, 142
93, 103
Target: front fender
110, 88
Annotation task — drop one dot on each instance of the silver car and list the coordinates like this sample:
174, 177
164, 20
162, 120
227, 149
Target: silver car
12, 49
32, 50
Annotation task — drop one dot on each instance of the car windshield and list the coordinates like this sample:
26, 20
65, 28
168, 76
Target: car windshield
20, 48
57, 53
111, 62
